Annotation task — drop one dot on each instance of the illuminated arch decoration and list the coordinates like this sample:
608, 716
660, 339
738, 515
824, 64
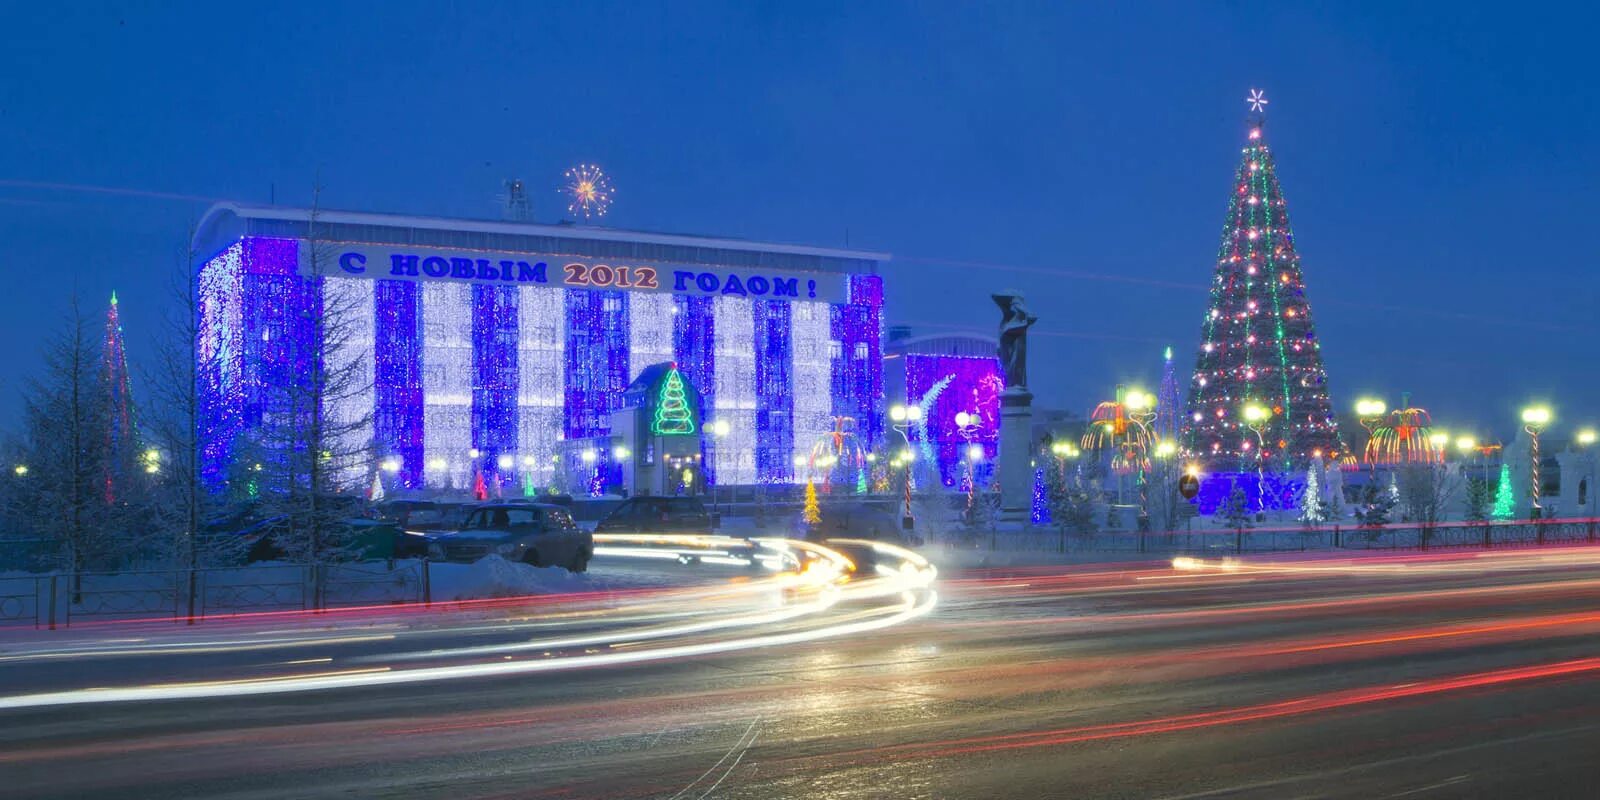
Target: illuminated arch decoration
839, 456
1128, 439
1403, 438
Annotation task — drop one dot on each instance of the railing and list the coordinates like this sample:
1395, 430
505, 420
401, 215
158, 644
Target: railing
1399, 536
58, 599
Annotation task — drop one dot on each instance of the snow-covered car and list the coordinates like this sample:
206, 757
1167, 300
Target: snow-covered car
538, 534
650, 514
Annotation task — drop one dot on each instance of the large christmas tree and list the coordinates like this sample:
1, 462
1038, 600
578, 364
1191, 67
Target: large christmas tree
1258, 345
121, 440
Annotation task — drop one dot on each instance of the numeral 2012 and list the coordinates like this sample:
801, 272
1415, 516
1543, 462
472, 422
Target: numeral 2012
603, 275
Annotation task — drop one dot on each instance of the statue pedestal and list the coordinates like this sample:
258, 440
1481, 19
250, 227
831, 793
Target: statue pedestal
1016, 446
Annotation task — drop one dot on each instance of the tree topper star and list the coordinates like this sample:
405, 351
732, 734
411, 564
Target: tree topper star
1257, 100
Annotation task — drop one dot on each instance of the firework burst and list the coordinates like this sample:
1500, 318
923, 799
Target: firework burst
588, 191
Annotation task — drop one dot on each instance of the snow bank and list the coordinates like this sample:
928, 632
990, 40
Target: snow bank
493, 576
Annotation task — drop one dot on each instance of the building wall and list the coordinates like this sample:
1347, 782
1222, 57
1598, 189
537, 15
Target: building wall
520, 373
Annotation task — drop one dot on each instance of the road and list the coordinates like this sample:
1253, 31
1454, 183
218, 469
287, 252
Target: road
1413, 675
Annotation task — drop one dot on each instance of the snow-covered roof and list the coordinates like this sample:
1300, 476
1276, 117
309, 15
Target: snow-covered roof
225, 222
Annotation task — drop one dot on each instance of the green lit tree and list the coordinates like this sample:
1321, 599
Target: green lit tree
1505, 500
672, 408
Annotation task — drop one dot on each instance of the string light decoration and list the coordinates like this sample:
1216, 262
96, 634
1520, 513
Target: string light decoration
597, 360
397, 377
858, 366
121, 439
495, 377
694, 348
514, 382
1040, 512
735, 453
589, 191
1167, 406
351, 411
673, 416
1258, 342
541, 366
773, 346
948, 385
447, 312
219, 350
1403, 438
811, 374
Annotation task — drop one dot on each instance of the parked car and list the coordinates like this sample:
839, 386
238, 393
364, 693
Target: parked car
364, 539
539, 534
657, 515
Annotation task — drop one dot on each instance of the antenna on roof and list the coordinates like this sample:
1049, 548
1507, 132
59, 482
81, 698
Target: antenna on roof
516, 206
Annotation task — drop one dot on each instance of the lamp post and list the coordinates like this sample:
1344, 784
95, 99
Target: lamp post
1370, 412
901, 419
967, 425
974, 455
1063, 451
1534, 420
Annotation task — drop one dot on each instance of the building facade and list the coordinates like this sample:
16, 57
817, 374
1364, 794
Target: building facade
504, 348
944, 376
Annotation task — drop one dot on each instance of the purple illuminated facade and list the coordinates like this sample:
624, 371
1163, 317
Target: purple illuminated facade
944, 376
493, 349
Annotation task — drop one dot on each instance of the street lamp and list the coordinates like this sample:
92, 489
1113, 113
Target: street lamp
20, 469
901, 418
1439, 441
1370, 411
1534, 419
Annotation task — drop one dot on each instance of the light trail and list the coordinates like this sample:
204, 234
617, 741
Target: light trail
1254, 713
823, 573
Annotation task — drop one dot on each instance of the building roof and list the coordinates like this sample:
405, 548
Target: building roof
224, 223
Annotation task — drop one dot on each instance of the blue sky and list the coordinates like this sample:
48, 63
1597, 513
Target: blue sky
1439, 161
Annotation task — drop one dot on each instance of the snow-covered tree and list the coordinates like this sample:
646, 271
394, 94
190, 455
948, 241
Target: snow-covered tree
316, 460
61, 495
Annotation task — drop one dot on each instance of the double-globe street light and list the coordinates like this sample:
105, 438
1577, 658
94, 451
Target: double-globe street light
1534, 420
902, 417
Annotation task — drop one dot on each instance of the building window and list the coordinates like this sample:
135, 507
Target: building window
835, 349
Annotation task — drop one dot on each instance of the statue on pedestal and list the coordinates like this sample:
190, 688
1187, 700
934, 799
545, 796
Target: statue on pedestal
1014, 323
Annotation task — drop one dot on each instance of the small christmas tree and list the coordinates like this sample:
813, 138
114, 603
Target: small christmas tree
480, 490
376, 494
1311, 505
672, 408
812, 513
1505, 501
1041, 499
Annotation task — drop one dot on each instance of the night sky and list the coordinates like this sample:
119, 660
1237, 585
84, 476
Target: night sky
1439, 162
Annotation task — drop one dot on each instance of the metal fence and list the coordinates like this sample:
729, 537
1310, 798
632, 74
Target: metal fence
56, 600
1406, 536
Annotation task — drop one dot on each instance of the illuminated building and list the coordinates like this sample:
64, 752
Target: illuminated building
504, 348
946, 375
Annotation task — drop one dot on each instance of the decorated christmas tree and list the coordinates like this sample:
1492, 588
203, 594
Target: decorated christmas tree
812, 513
1258, 344
1505, 497
122, 446
1311, 505
672, 408
1167, 401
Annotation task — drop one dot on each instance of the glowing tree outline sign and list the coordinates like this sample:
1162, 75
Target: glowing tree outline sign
673, 416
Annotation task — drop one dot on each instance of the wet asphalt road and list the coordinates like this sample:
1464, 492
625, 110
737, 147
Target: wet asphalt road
1428, 677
